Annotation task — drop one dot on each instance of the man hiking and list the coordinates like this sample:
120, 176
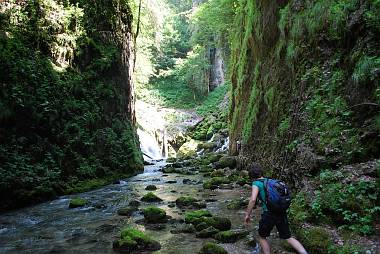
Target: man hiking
269, 218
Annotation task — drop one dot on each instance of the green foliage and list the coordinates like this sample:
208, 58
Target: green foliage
352, 206
213, 100
365, 70
330, 115
63, 124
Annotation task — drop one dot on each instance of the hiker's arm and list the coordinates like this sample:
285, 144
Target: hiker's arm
251, 204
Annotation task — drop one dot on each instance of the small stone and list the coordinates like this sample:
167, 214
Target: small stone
126, 211
151, 187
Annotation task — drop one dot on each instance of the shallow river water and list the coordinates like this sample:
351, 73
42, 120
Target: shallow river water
52, 227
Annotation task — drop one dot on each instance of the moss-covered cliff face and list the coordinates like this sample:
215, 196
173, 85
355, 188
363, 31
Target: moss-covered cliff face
305, 104
305, 75
66, 99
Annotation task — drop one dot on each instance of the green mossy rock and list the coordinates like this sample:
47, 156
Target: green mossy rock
184, 228
185, 201
207, 145
154, 215
226, 161
196, 217
77, 202
201, 226
207, 232
127, 211
214, 157
171, 160
205, 169
219, 223
214, 182
237, 204
151, 187
212, 248
218, 173
231, 236
133, 240
315, 240
150, 197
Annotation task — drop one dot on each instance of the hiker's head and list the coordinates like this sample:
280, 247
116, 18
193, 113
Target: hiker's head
255, 171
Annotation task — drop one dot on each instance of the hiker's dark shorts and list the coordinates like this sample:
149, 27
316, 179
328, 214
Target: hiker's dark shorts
269, 220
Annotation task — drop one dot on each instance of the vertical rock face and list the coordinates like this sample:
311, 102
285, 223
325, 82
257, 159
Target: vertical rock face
217, 68
305, 89
67, 107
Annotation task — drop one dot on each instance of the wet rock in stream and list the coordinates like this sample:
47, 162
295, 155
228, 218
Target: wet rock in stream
127, 211
212, 248
207, 232
154, 215
151, 187
133, 240
150, 197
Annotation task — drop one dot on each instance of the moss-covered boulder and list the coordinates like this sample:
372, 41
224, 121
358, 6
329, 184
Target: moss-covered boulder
315, 240
205, 169
201, 226
214, 182
133, 240
212, 248
150, 197
237, 204
218, 173
154, 215
77, 202
226, 162
183, 228
127, 211
207, 232
151, 187
219, 223
187, 201
189, 149
214, 157
207, 145
196, 217
231, 236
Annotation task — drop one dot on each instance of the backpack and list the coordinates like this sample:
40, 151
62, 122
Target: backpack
277, 195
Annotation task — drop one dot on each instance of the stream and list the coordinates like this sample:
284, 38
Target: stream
52, 227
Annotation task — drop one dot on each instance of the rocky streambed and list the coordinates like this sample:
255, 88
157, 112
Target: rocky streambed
179, 205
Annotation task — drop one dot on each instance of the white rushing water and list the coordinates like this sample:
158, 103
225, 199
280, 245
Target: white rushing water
149, 146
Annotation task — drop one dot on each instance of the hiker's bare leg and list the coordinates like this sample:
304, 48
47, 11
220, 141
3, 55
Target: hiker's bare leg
296, 245
264, 245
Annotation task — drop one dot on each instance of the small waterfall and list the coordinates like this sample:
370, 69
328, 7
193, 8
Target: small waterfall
224, 146
149, 146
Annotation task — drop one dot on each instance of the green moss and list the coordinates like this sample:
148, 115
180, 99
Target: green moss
231, 236
269, 97
77, 202
196, 217
212, 248
151, 197
132, 239
185, 201
315, 240
219, 223
154, 215
214, 182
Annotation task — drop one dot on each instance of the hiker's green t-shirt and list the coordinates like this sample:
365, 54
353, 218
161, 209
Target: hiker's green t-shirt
260, 185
